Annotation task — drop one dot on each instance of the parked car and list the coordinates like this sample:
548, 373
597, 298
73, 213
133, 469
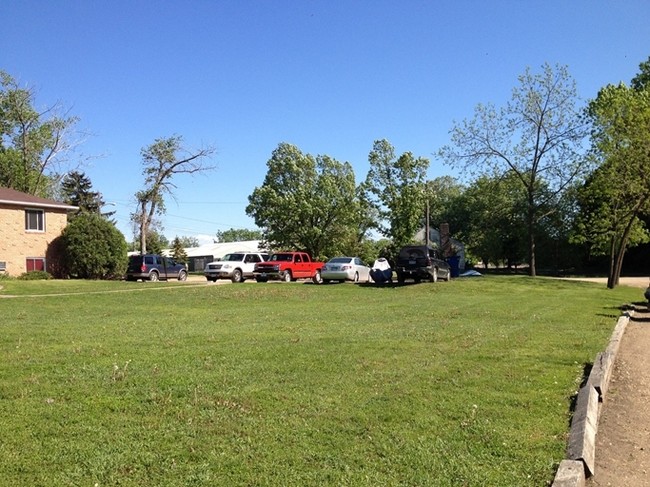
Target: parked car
237, 266
345, 269
419, 262
152, 267
288, 266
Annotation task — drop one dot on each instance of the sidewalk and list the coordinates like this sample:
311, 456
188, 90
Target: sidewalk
623, 437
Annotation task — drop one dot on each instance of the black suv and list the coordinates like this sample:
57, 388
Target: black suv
419, 262
152, 267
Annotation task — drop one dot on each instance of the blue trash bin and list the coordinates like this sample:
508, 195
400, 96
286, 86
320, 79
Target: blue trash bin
454, 262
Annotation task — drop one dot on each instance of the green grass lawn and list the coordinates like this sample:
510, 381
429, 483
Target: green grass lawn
449, 384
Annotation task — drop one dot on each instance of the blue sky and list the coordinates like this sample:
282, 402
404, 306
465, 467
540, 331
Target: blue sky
327, 76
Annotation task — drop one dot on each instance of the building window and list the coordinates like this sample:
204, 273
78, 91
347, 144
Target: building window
35, 264
34, 220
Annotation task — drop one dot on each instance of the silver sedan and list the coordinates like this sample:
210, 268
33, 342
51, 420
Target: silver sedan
345, 269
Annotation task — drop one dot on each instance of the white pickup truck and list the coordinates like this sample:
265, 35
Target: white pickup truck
237, 266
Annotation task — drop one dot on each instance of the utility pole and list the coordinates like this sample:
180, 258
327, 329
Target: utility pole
426, 225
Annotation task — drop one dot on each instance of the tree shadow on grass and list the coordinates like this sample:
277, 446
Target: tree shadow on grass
573, 399
641, 312
393, 284
617, 311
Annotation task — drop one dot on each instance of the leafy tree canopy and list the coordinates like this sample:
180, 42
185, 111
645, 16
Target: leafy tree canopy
238, 235
395, 189
617, 195
492, 212
536, 136
33, 144
305, 202
642, 80
442, 195
156, 242
187, 241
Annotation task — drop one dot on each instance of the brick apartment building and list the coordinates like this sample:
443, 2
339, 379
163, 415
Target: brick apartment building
28, 225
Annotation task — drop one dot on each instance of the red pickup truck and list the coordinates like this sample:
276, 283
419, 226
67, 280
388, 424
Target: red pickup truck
288, 266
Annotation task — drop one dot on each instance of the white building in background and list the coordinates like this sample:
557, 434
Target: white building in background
198, 257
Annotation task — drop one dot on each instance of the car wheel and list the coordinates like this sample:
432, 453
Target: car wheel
153, 276
400, 278
326, 281
236, 276
317, 279
182, 276
286, 277
356, 277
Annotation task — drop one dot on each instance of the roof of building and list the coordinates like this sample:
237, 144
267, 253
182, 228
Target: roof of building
12, 197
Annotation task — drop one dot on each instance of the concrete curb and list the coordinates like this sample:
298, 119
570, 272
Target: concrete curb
570, 474
581, 451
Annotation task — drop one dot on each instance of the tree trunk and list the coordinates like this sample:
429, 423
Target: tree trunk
612, 258
620, 251
618, 260
619, 263
532, 270
617, 254
143, 228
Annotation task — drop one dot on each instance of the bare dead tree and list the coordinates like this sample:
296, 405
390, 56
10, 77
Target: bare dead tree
161, 161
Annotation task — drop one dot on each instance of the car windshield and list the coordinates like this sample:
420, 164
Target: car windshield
412, 252
233, 257
282, 257
340, 260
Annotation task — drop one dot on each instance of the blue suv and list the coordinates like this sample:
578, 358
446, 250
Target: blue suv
152, 267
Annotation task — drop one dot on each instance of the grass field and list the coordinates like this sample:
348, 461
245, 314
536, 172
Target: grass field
449, 384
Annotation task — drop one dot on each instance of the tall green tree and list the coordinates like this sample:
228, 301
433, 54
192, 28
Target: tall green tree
238, 235
187, 241
491, 219
33, 144
395, 189
178, 251
642, 80
76, 189
617, 194
156, 240
161, 162
441, 195
537, 135
305, 202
